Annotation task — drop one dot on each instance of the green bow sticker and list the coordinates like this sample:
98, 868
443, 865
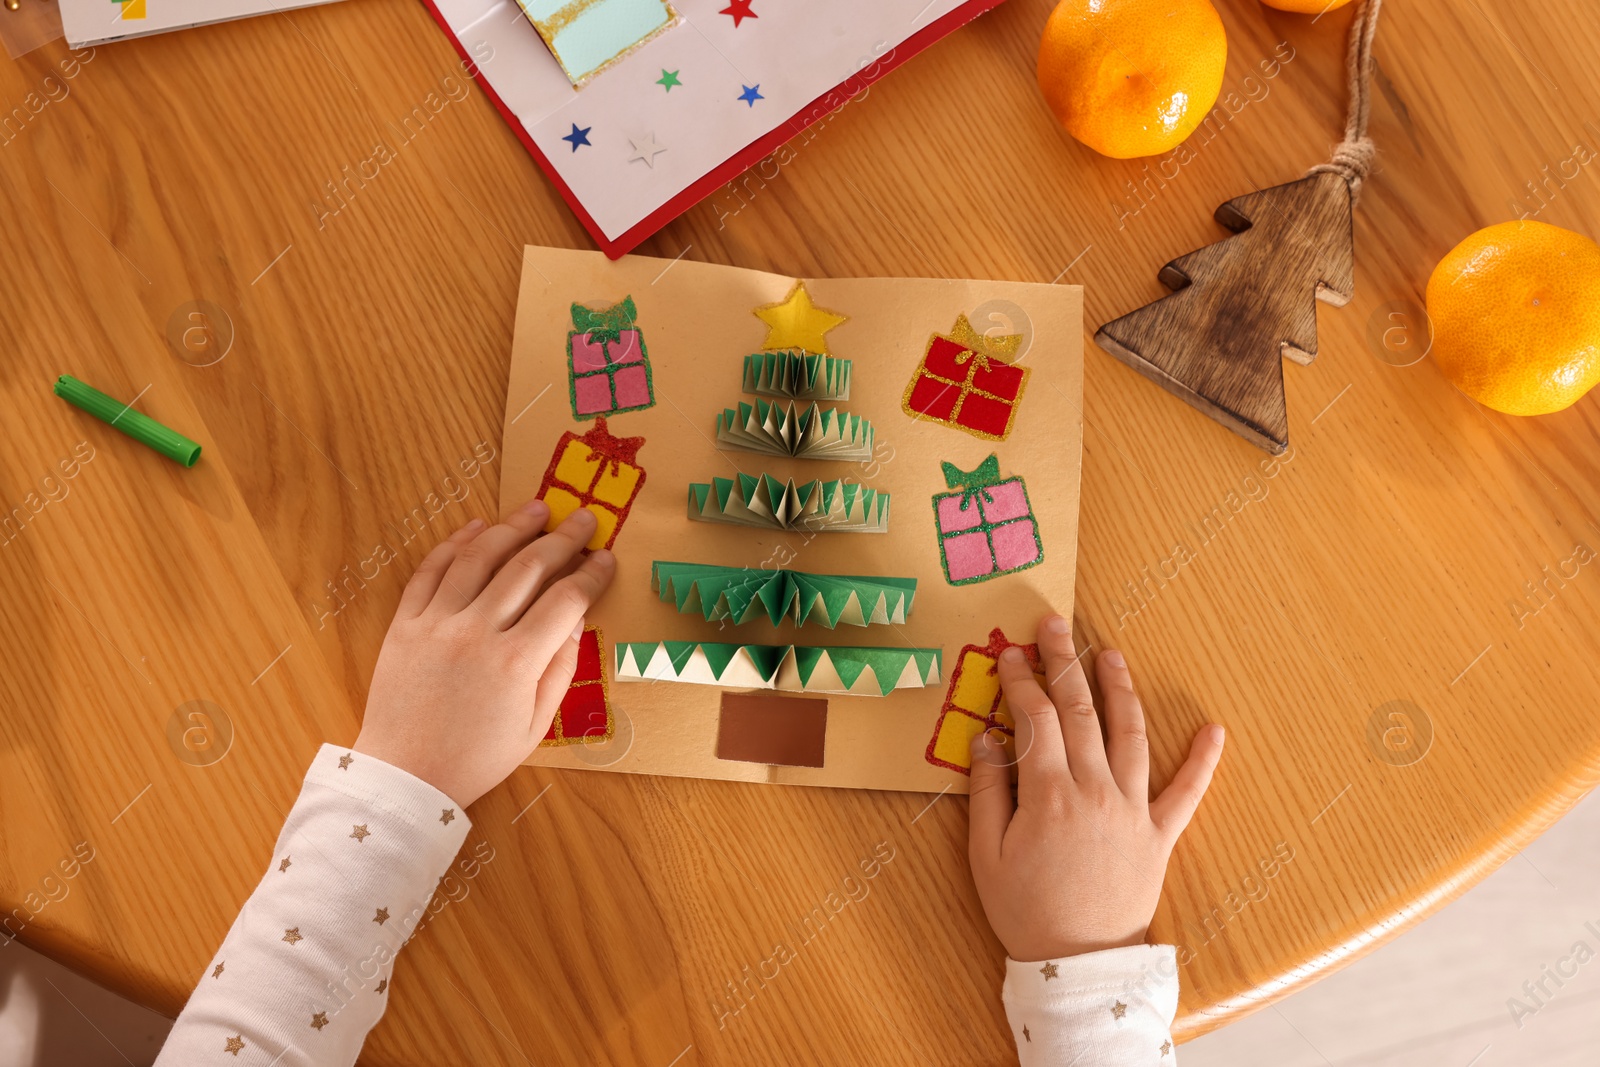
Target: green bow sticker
607, 324
974, 481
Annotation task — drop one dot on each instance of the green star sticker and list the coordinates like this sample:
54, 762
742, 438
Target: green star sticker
669, 78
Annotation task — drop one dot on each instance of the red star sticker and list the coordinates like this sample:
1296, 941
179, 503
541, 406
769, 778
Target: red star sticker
739, 10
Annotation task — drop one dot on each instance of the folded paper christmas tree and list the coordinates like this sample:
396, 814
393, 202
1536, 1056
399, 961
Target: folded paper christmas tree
790, 668
764, 501
802, 432
740, 594
797, 376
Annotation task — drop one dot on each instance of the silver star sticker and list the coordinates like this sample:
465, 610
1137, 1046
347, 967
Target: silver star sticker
646, 149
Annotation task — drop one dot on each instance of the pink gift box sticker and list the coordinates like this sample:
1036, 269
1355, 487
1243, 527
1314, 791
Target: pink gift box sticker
968, 556
953, 516
629, 348
1004, 502
1016, 545
986, 527
588, 355
608, 365
632, 388
592, 395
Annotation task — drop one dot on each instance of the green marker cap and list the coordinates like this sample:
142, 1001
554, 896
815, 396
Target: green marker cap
141, 428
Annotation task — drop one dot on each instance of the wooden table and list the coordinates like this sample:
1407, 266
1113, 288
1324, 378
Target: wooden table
1410, 548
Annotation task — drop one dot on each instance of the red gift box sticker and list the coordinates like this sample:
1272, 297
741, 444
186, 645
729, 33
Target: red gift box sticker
986, 527
585, 714
967, 380
608, 367
974, 704
595, 471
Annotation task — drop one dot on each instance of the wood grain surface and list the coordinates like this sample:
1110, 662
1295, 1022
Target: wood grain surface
1410, 547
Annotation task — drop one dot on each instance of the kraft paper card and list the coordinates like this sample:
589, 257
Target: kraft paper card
835, 496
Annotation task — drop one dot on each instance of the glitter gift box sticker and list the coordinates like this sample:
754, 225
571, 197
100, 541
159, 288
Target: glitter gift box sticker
974, 703
986, 527
608, 368
967, 380
584, 717
595, 471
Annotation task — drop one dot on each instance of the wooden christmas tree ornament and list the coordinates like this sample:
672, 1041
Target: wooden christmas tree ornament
1239, 306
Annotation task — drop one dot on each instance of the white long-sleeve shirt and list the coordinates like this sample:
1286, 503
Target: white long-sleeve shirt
1108, 1009
303, 974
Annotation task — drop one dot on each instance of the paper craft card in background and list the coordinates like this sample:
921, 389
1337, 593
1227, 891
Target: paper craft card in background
91, 22
663, 126
696, 320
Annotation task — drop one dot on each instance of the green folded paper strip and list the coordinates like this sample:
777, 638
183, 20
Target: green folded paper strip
770, 503
797, 376
802, 432
740, 594
788, 668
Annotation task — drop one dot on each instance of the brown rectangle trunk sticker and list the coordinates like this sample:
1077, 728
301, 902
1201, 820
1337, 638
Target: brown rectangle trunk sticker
775, 730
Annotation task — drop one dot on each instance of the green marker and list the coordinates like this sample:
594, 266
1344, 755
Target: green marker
141, 428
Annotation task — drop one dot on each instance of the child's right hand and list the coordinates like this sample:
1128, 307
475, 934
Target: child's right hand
1075, 863
482, 649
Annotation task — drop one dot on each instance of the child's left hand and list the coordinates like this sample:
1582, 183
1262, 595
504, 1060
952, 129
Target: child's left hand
482, 649
1074, 864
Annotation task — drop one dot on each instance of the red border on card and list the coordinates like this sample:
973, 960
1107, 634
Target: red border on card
741, 160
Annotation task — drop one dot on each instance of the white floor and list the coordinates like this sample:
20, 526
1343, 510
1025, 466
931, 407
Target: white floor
1437, 997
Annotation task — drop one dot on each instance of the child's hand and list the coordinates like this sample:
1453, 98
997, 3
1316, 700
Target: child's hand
1075, 863
481, 650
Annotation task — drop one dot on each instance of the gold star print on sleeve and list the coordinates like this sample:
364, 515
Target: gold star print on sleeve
309, 957
1114, 1007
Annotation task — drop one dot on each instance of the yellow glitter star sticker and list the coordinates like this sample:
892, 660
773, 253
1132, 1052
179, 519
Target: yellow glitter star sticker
795, 322
1049, 971
382, 916
1118, 1010
235, 1045
319, 1020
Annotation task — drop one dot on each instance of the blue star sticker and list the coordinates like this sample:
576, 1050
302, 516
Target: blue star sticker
578, 137
751, 94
